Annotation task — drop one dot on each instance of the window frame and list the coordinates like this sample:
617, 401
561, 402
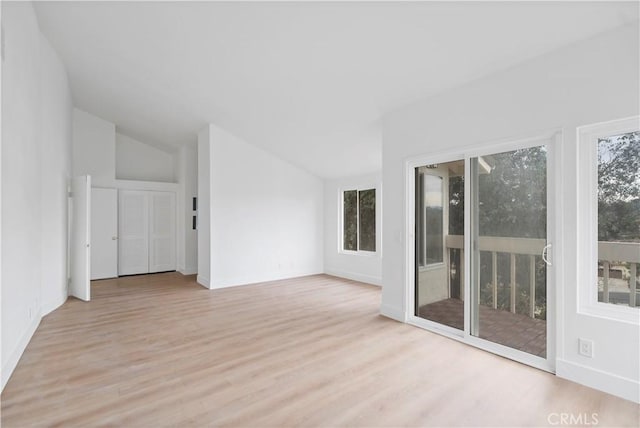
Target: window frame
424, 265
378, 241
587, 234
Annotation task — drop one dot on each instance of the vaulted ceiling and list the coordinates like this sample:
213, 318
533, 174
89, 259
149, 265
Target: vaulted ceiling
306, 81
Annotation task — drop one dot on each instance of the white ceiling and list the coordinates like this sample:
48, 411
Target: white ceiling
305, 81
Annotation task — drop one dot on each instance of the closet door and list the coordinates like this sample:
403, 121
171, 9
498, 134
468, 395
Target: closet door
162, 231
133, 226
104, 233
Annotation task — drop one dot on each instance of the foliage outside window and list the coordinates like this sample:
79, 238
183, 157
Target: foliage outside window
359, 220
513, 204
618, 217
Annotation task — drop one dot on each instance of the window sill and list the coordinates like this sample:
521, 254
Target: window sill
359, 253
618, 313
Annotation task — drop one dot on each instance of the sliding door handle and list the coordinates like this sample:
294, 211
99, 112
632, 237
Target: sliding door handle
545, 254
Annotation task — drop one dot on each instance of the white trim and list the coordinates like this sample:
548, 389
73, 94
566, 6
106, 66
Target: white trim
136, 185
188, 271
551, 139
392, 312
355, 276
377, 187
467, 244
587, 224
554, 269
555, 305
485, 345
361, 253
249, 280
204, 281
623, 387
16, 354
409, 251
482, 148
434, 327
48, 307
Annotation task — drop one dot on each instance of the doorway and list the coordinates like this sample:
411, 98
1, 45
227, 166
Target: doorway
439, 231
481, 250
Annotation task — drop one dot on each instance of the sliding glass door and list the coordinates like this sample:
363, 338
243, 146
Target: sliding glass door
440, 243
489, 287
508, 237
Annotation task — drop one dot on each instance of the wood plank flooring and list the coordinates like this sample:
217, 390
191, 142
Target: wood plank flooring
159, 350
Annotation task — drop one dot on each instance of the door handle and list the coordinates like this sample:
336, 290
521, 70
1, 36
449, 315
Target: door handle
545, 254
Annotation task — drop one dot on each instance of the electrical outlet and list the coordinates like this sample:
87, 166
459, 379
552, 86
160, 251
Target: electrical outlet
585, 347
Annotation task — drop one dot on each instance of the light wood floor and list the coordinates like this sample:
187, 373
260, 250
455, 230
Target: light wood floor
161, 350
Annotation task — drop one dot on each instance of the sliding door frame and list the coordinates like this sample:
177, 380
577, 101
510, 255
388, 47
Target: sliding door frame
551, 139
410, 227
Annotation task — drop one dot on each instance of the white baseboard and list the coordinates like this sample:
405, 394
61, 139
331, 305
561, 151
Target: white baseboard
14, 356
393, 313
204, 281
48, 307
188, 271
275, 276
626, 388
355, 276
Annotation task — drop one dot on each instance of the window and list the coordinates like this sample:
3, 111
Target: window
429, 219
359, 220
618, 218
609, 195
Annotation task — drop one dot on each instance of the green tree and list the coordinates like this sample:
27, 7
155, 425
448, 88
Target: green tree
619, 187
512, 196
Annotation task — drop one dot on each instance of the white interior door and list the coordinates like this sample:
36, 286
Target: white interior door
133, 232
104, 233
81, 238
162, 231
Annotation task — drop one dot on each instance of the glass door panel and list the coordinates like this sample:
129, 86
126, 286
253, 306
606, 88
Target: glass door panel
509, 235
439, 243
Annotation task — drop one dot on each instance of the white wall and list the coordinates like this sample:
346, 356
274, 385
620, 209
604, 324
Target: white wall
139, 161
94, 148
2, 364
359, 267
266, 214
36, 122
204, 212
21, 182
592, 81
56, 107
187, 171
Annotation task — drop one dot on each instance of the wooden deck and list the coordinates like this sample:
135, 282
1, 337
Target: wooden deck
514, 330
159, 350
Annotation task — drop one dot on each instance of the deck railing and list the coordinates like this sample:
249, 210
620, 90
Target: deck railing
620, 252
512, 246
607, 252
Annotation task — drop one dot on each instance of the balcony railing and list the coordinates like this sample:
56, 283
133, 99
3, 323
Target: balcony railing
512, 246
628, 253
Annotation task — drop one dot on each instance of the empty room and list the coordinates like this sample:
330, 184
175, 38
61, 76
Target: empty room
336, 214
